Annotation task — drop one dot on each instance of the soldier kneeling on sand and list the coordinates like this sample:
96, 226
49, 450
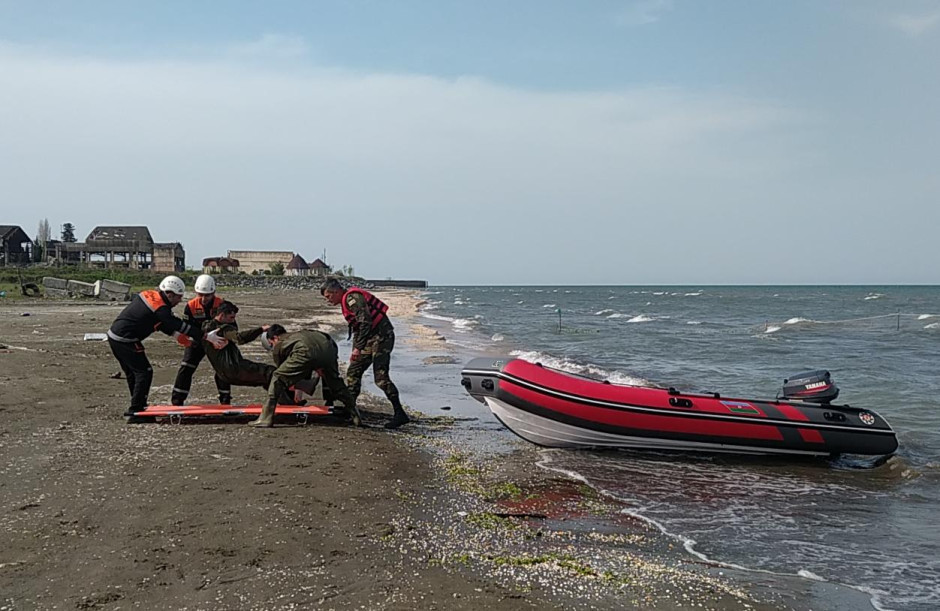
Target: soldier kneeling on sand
298, 355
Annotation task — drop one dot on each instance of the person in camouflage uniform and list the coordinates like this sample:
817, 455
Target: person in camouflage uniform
230, 366
373, 341
298, 355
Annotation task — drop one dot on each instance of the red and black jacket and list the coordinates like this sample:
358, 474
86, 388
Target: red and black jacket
147, 312
194, 312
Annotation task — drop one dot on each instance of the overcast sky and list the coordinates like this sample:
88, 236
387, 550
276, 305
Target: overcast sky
476, 142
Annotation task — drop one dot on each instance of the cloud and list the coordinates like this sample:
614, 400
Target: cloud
269, 46
915, 25
643, 12
396, 174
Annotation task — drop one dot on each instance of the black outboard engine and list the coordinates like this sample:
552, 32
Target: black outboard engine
813, 386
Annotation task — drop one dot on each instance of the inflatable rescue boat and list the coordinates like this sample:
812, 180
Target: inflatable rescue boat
556, 409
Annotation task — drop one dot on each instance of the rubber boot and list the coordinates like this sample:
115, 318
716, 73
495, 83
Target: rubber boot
266, 419
398, 418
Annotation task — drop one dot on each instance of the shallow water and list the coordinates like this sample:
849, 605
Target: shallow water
854, 521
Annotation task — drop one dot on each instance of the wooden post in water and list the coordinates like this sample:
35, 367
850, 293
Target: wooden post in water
559, 318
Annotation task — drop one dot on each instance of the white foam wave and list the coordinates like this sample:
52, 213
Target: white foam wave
437, 317
772, 329
498, 337
933, 325
603, 312
688, 543
926, 316
465, 324
693, 294
796, 320
641, 318
563, 364
521, 301
459, 302
618, 315
694, 322
874, 296
549, 305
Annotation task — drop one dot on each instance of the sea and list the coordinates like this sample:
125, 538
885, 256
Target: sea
864, 523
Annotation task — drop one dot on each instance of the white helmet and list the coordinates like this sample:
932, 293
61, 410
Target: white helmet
173, 284
205, 284
266, 342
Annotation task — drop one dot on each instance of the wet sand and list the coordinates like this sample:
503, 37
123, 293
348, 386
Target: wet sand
96, 513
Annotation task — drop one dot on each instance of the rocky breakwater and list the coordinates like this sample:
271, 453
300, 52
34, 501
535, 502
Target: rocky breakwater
283, 283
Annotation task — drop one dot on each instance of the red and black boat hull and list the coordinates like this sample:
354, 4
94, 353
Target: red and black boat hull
556, 409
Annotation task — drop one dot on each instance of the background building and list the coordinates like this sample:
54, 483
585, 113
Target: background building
15, 246
319, 268
220, 265
251, 261
297, 267
131, 247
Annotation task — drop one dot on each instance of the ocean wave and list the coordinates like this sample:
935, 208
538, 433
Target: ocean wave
563, 364
694, 322
933, 325
618, 315
874, 296
549, 305
465, 324
459, 302
809, 575
437, 317
603, 312
498, 337
641, 318
772, 329
926, 316
797, 320
693, 294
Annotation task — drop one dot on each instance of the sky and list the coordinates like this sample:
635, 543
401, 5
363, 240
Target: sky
489, 142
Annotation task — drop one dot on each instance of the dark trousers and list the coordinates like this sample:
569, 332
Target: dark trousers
137, 370
192, 356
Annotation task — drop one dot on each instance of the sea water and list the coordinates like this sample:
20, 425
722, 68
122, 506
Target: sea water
865, 523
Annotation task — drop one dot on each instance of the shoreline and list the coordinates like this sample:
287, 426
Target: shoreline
448, 512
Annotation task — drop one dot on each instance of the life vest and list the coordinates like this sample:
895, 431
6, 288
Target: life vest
377, 308
198, 312
152, 299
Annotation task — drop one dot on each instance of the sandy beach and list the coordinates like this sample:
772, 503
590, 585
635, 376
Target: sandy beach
99, 514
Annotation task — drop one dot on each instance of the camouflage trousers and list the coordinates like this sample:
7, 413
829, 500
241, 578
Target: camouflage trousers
378, 354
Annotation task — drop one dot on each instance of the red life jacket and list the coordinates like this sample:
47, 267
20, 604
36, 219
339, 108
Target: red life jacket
377, 308
198, 312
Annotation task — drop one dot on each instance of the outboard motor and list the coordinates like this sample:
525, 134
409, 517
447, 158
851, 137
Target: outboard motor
813, 386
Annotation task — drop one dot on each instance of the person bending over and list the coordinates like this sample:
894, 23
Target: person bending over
298, 355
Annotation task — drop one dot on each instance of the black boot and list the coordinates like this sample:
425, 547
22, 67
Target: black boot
398, 418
